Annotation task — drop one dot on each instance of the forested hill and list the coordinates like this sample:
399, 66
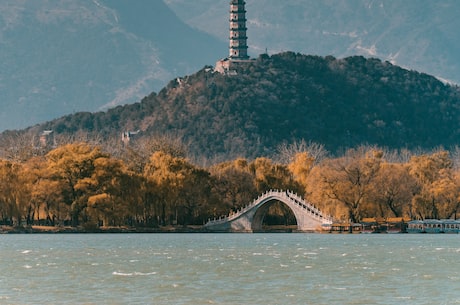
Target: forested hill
288, 97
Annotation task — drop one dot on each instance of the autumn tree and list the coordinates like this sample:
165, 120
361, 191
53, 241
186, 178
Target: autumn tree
438, 192
69, 165
179, 187
196, 197
112, 192
446, 192
234, 186
32, 174
301, 166
269, 175
391, 191
348, 179
47, 199
11, 191
317, 192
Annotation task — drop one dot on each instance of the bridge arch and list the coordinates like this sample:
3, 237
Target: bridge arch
250, 218
262, 212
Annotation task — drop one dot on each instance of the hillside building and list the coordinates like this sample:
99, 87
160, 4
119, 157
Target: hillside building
238, 40
47, 139
127, 136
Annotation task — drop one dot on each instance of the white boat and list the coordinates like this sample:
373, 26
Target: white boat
434, 226
451, 226
415, 226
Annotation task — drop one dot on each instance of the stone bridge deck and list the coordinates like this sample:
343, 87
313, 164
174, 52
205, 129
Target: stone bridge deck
250, 218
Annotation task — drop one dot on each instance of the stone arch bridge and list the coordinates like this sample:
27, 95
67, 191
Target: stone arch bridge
250, 218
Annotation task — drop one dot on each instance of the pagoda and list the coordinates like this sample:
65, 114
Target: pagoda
238, 48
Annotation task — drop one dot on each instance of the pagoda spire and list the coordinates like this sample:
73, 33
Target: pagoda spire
238, 48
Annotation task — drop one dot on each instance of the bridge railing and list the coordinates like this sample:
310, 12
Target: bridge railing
242, 210
308, 207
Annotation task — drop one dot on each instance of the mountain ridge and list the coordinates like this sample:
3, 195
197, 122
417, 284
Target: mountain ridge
284, 98
63, 56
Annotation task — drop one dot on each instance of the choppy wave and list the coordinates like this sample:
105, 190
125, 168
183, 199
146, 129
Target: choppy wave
133, 273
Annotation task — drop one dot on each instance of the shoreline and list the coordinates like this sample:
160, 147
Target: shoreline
126, 230
101, 230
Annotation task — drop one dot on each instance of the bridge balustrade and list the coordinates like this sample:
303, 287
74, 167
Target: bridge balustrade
311, 209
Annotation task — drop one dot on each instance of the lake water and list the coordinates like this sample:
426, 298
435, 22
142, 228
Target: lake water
229, 269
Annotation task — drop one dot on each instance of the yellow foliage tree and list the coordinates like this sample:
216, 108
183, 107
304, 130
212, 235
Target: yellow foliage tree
438, 188
317, 192
391, 191
301, 166
446, 194
269, 175
11, 190
180, 187
112, 192
233, 186
348, 179
69, 165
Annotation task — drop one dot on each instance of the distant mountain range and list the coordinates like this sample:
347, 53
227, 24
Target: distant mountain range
64, 56
284, 98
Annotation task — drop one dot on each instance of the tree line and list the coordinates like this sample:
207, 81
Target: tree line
154, 184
